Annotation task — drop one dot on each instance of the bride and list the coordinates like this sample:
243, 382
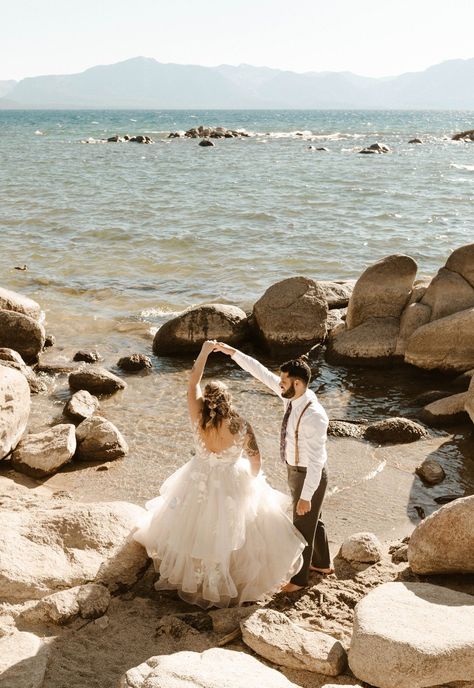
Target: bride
217, 533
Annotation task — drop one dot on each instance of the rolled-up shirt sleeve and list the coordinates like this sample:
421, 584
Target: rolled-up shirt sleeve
258, 371
315, 434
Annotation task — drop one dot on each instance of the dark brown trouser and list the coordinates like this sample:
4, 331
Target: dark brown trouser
311, 527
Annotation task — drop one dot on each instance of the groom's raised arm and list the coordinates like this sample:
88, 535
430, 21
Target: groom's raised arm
252, 366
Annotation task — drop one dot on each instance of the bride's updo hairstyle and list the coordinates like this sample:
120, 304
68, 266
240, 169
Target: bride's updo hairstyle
217, 405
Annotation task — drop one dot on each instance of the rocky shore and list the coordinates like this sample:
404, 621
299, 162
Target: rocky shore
77, 603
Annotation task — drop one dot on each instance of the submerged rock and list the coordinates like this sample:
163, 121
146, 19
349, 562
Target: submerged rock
395, 431
96, 381
87, 356
134, 363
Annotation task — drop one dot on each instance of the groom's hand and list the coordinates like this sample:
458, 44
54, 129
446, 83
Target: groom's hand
224, 348
303, 507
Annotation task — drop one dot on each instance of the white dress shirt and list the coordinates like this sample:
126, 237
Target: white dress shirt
312, 430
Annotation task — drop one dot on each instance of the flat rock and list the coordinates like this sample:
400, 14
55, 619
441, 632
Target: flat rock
12, 301
23, 660
447, 411
362, 548
81, 405
214, 668
21, 333
99, 440
395, 431
382, 291
444, 541
43, 453
96, 381
371, 343
188, 331
413, 635
292, 315
14, 408
431, 472
47, 545
273, 636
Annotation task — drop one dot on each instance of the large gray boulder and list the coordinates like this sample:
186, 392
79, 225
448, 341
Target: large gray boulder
96, 381
274, 637
382, 291
47, 545
446, 344
214, 668
12, 301
448, 293
189, 330
372, 343
21, 333
444, 541
413, 635
44, 453
99, 440
291, 315
14, 408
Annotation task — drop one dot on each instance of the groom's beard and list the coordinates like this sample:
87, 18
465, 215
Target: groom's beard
290, 392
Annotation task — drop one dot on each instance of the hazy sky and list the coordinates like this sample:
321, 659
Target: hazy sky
368, 37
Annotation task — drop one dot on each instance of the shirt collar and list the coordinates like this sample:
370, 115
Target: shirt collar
302, 400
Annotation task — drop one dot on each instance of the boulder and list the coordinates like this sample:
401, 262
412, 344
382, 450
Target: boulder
87, 356
188, 331
134, 363
214, 668
448, 293
382, 291
337, 293
12, 359
461, 261
395, 431
205, 143
361, 548
81, 405
444, 541
372, 343
44, 453
431, 472
343, 428
446, 344
99, 440
23, 660
413, 635
14, 408
291, 315
414, 316
49, 544
22, 334
461, 382
11, 301
447, 411
96, 381
469, 403
274, 637
415, 141
88, 601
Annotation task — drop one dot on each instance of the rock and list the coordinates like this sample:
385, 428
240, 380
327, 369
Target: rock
337, 293
50, 340
274, 637
44, 453
14, 408
375, 148
21, 333
463, 135
214, 668
445, 344
382, 290
96, 381
395, 431
12, 359
11, 301
462, 382
336, 316
415, 141
413, 635
48, 545
56, 367
206, 142
87, 356
342, 428
431, 472
414, 316
448, 293
134, 363
469, 403
461, 261
444, 541
400, 555
428, 397
23, 660
89, 601
227, 620
99, 440
81, 405
291, 315
361, 548
187, 332
372, 344
447, 411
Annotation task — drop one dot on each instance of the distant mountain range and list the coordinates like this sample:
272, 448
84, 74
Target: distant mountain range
144, 83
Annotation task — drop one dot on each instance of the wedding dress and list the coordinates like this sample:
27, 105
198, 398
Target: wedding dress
218, 535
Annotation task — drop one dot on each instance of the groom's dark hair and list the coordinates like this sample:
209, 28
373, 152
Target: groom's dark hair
298, 368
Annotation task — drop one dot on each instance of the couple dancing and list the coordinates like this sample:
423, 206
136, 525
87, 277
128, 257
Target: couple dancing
218, 533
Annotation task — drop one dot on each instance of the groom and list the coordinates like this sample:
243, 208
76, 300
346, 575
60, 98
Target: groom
303, 449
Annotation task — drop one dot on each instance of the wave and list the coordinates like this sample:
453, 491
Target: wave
469, 168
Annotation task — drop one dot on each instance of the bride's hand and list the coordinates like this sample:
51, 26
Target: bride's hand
209, 346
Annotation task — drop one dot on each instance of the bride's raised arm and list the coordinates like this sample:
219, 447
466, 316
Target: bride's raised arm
194, 382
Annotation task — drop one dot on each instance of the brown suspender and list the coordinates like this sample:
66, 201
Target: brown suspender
297, 453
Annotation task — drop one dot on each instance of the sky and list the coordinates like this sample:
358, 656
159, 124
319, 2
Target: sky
368, 37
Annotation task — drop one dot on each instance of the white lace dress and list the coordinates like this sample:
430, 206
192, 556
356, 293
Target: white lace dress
216, 534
